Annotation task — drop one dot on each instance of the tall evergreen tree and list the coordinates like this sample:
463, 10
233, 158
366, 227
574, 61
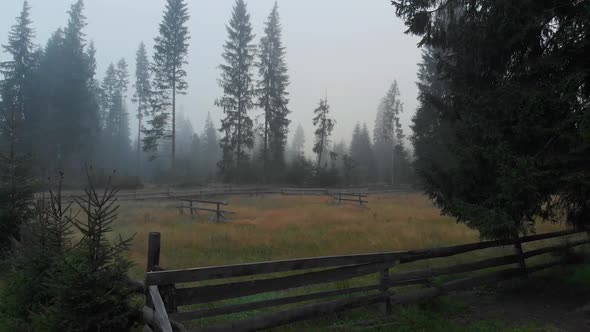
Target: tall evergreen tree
211, 151
510, 129
15, 94
238, 92
298, 143
170, 55
389, 136
272, 85
361, 152
76, 117
324, 126
141, 96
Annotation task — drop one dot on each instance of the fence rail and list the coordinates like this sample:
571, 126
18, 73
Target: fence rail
329, 269
170, 194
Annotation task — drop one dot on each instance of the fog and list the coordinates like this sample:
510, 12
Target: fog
351, 50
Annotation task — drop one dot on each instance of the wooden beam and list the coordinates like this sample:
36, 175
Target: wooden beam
160, 316
240, 270
204, 294
229, 309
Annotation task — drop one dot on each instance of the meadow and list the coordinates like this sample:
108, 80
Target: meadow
282, 227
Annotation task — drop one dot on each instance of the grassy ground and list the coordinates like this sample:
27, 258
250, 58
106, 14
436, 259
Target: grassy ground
282, 227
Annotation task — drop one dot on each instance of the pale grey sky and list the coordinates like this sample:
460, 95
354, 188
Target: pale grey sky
353, 49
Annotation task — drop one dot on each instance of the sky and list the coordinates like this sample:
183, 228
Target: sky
349, 50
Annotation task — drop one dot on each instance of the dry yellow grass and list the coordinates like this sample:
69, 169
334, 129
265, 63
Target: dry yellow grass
280, 227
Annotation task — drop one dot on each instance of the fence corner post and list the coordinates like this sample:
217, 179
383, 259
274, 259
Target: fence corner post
384, 288
153, 256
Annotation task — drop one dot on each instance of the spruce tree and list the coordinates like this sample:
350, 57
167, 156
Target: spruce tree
324, 126
388, 134
141, 96
170, 55
210, 148
238, 92
15, 94
298, 143
508, 135
76, 117
272, 84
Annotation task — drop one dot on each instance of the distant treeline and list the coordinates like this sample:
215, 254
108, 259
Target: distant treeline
60, 114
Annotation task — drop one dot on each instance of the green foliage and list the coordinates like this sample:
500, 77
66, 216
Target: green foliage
324, 126
272, 95
238, 93
501, 134
54, 285
170, 55
300, 171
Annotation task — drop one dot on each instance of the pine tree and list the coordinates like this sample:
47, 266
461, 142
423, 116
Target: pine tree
170, 55
238, 92
76, 117
272, 85
210, 148
324, 126
388, 134
142, 94
116, 130
298, 143
15, 94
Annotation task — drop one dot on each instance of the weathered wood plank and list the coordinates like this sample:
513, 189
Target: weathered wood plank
160, 316
202, 201
204, 294
229, 309
288, 316
240, 270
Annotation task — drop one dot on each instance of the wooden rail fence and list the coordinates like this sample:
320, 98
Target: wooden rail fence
170, 194
194, 206
340, 197
169, 290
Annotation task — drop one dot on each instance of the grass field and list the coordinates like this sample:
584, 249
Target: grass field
282, 227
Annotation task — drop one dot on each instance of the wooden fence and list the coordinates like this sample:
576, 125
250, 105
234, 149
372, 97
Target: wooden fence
169, 290
170, 194
194, 206
340, 197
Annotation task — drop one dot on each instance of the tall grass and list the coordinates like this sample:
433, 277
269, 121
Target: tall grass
281, 227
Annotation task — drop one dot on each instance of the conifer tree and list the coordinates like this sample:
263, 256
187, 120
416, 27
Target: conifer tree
238, 92
170, 55
141, 96
298, 143
388, 134
272, 84
15, 94
324, 126
210, 147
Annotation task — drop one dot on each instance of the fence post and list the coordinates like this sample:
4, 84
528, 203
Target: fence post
520, 256
218, 212
384, 288
191, 207
360, 200
153, 256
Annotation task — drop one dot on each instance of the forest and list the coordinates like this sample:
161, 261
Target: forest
69, 115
